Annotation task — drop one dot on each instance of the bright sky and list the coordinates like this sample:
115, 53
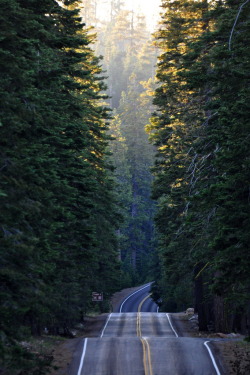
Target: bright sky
151, 8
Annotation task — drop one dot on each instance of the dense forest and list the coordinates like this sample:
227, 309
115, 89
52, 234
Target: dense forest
87, 203
59, 213
202, 169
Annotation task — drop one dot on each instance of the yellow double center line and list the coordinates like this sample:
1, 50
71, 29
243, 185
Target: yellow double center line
138, 322
146, 357
145, 345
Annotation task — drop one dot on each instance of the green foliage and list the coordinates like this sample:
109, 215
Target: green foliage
58, 212
201, 132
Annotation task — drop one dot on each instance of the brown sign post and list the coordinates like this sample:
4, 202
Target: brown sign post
97, 297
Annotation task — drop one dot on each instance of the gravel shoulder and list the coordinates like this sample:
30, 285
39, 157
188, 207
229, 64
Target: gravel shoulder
64, 352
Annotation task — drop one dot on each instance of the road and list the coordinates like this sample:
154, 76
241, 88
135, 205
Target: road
139, 342
139, 300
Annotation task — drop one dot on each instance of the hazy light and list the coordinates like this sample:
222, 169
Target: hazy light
150, 8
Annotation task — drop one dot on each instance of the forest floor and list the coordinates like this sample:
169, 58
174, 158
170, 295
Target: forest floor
233, 354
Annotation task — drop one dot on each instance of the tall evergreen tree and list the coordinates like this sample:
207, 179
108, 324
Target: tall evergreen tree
195, 132
173, 132
224, 198
56, 185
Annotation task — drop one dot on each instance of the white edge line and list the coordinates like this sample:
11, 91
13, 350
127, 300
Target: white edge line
132, 295
212, 358
83, 356
105, 325
171, 325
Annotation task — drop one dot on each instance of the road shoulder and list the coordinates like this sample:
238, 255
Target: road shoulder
231, 352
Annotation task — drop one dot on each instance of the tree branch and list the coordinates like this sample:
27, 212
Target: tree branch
235, 22
4, 166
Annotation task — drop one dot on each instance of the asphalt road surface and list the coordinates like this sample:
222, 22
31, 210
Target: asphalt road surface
141, 297
136, 340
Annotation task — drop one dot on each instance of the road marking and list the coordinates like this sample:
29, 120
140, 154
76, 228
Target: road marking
132, 295
149, 358
106, 325
142, 302
138, 320
147, 363
172, 326
212, 358
145, 345
144, 357
83, 356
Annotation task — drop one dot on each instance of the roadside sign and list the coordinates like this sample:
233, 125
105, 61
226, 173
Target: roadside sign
97, 297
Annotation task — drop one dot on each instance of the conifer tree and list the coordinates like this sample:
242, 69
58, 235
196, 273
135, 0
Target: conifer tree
56, 182
173, 131
198, 186
220, 189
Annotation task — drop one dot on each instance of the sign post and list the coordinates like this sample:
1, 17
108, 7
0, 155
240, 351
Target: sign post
97, 297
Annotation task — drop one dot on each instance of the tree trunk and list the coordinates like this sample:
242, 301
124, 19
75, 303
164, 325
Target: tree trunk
199, 297
220, 315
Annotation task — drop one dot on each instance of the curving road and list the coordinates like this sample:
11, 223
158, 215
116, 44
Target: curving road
133, 301
138, 342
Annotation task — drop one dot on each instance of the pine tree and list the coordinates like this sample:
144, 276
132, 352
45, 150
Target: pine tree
173, 132
197, 186
56, 185
220, 188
